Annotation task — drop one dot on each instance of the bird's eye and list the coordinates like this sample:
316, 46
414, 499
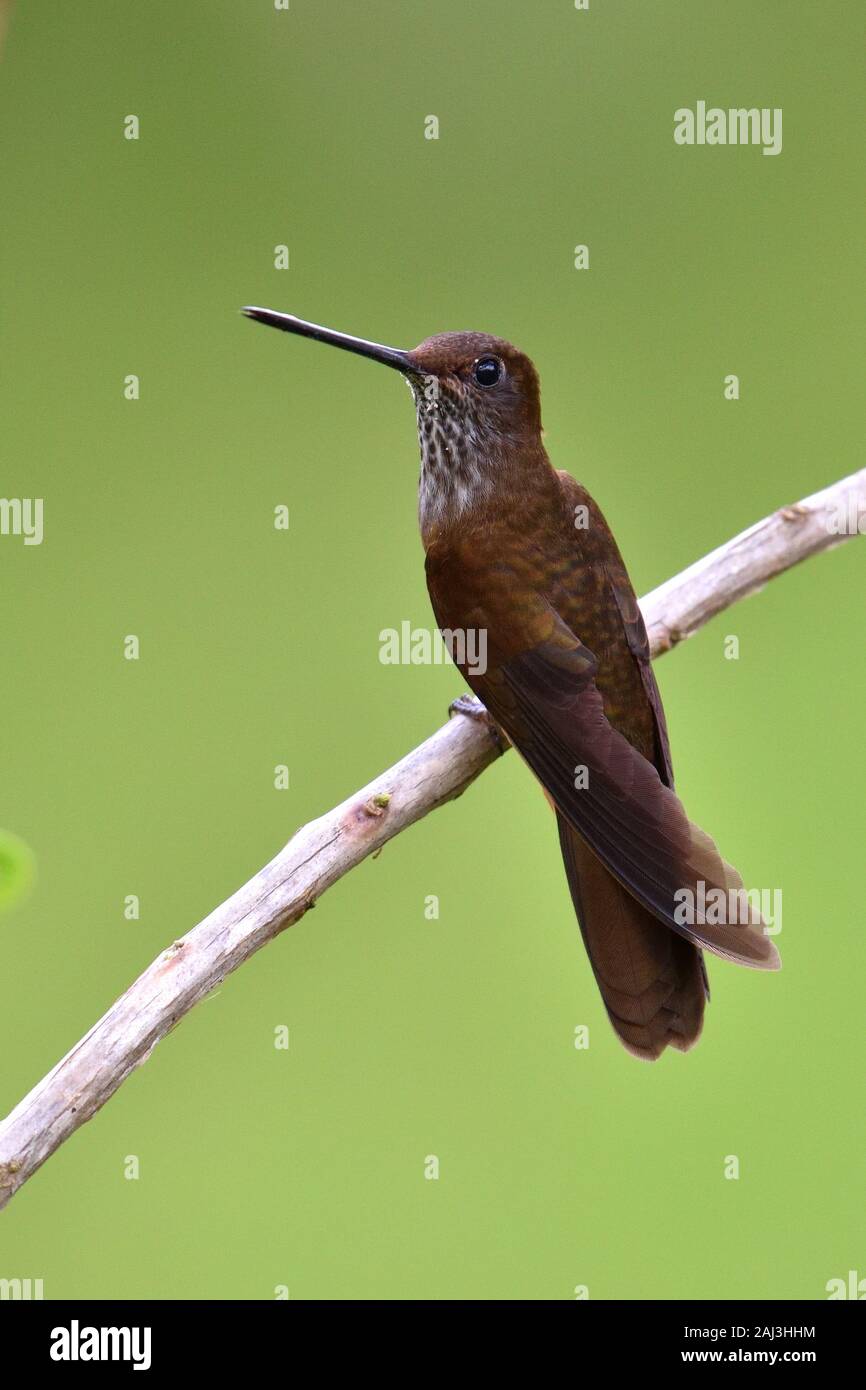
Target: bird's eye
487, 371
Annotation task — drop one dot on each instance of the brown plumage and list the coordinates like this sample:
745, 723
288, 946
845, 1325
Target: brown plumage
522, 554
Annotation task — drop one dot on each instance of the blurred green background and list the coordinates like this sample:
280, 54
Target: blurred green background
412, 1037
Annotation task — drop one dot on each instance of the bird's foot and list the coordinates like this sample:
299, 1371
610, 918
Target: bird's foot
472, 707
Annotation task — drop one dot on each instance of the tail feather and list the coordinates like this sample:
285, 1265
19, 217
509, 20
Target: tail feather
652, 981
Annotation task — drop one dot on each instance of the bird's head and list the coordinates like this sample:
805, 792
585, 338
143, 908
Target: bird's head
477, 401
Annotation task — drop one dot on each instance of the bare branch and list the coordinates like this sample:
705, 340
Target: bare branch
677, 608
326, 849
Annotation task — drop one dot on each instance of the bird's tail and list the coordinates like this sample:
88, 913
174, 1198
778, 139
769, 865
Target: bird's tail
652, 980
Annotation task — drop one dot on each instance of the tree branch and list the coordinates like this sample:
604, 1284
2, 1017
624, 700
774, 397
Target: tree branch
326, 849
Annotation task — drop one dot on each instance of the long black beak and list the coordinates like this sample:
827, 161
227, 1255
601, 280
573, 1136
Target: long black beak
392, 357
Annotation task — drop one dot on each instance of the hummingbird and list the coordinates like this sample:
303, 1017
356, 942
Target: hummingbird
519, 551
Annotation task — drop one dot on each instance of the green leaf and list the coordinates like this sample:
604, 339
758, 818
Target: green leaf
17, 868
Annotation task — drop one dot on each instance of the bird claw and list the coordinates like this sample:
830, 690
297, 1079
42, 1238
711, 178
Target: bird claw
469, 705
472, 707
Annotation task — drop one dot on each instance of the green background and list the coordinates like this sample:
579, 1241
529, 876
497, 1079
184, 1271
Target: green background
410, 1037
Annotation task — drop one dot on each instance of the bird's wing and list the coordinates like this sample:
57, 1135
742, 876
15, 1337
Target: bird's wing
638, 644
612, 592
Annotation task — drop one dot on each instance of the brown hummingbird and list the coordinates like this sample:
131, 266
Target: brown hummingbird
521, 553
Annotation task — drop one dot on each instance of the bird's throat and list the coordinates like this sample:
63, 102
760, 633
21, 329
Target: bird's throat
458, 464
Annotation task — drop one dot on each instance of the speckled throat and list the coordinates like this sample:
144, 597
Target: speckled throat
455, 464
